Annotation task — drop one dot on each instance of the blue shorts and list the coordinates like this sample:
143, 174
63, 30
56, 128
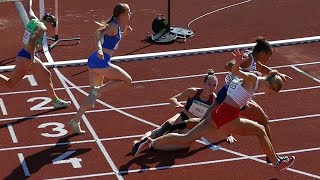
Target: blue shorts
222, 94
95, 63
25, 54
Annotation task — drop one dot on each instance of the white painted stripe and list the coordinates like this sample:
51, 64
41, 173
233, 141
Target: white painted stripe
264, 162
86, 121
295, 118
108, 105
68, 143
134, 107
217, 10
44, 145
157, 79
89, 126
24, 164
3, 107
12, 133
31, 79
185, 165
306, 74
63, 156
171, 54
136, 136
147, 122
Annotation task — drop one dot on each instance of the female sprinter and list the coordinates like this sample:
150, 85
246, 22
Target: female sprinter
226, 116
26, 60
108, 37
198, 101
261, 54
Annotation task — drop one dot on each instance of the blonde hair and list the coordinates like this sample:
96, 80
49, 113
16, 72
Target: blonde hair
210, 73
275, 80
118, 9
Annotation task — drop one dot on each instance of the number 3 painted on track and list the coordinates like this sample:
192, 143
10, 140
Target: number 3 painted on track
59, 128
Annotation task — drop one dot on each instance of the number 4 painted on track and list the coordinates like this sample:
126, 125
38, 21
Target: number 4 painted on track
74, 161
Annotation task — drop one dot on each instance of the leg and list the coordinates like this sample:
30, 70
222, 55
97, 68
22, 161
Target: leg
256, 113
168, 141
118, 79
94, 80
245, 127
45, 78
19, 71
192, 122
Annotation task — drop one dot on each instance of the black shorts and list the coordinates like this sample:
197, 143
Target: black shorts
184, 116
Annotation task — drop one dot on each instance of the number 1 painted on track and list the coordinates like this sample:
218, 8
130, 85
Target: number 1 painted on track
3, 107
31, 80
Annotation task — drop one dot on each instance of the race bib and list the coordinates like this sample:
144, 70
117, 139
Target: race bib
234, 83
229, 78
26, 37
198, 109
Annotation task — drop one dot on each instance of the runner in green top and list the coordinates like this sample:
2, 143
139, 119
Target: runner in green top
26, 60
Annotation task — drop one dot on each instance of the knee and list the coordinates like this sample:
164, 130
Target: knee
260, 130
128, 81
264, 120
188, 139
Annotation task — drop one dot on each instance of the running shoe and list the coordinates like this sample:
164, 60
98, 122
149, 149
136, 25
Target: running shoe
61, 104
141, 145
284, 163
76, 127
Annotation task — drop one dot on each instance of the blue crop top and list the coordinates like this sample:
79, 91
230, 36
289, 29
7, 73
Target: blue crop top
112, 42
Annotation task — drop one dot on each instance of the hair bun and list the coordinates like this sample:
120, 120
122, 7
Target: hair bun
260, 39
273, 72
210, 72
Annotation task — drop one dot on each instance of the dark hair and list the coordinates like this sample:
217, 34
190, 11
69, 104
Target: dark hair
262, 45
50, 18
210, 73
118, 9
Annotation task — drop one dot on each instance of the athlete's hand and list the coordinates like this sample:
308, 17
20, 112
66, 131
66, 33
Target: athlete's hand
100, 54
239, 55
179, 105
231, 139
284, 76
257, 73
126, 29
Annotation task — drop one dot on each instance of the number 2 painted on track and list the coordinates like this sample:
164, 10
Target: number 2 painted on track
59, 129
40, 106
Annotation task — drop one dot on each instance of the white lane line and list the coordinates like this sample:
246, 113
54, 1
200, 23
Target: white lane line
135, 107
217, 10
109, 106
89, 126
12, 133
186, 165
213, 148
24, 164
159, 79
306, 74
264, 162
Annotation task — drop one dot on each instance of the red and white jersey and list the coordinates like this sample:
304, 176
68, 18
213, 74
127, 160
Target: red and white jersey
239, 94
